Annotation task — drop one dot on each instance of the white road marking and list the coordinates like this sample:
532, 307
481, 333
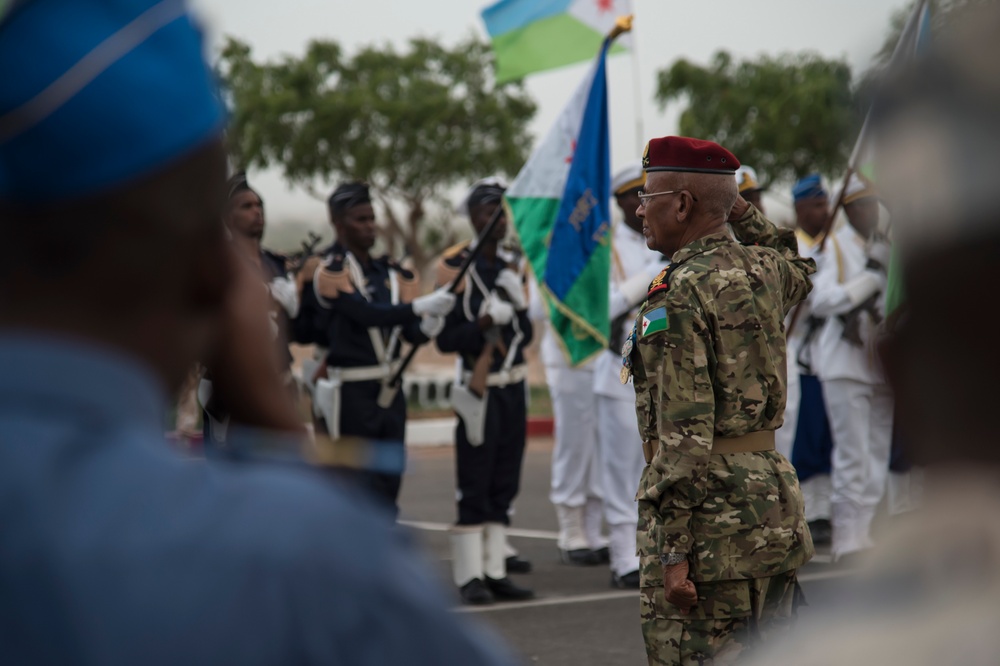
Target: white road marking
540, 534
512, 531
551, 601
611, 596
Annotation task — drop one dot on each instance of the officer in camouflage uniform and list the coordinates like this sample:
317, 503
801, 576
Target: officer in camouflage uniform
721, 526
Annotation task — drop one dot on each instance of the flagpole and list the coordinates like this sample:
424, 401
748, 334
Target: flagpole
640, 130
910, 31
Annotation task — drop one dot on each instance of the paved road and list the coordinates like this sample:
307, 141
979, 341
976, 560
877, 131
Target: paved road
577, 619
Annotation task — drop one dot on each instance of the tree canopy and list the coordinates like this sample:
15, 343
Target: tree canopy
785, 116
410, 123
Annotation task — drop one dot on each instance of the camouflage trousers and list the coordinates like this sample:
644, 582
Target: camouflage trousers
731, 617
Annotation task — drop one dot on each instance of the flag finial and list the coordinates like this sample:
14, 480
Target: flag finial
623, 24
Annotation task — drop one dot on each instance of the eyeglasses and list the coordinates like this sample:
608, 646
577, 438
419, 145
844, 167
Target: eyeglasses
644, 198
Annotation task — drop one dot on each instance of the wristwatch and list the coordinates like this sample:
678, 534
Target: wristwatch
670, 559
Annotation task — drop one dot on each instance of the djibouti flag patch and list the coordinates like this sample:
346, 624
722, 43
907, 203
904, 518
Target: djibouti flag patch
654, 321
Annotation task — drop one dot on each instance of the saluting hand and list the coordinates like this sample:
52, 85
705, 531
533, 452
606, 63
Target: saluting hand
739, 209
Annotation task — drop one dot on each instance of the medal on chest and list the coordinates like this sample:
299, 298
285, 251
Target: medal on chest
627, 348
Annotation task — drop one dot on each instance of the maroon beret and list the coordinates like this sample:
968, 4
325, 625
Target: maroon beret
679, 153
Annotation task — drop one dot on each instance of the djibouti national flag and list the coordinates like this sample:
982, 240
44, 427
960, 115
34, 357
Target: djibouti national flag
559, 205
535, 35
654, 321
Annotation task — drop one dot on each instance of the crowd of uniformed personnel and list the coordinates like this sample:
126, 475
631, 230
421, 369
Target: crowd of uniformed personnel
740, 416
822, 401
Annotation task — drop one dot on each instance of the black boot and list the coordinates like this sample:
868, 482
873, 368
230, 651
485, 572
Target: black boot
581, 557
603, 555
504, 589
822, 531
516, 565
629, 581
476, 593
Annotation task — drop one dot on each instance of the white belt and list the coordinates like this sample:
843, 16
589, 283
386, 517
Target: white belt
503, 378
363, 374
326, 395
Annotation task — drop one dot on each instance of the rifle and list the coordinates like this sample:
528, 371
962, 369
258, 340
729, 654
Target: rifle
389, 390
481, 368
298, 260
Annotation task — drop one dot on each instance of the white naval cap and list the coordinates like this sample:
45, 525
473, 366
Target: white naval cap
629, 178
746, 179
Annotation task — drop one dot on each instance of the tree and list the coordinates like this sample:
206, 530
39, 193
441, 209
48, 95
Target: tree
411, 124
785, 116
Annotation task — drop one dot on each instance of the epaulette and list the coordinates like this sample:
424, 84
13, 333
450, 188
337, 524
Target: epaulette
455, 255
662, 281
333, 279
450, 264
409, 285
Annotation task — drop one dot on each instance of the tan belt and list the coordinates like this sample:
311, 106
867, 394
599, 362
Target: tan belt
752, 442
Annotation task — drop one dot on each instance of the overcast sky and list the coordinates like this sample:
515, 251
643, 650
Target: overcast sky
665, 30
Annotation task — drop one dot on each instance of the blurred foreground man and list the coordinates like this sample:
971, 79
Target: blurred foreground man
931, 593
114, 550
721, 527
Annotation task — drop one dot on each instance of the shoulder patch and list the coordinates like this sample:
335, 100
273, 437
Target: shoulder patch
654, 321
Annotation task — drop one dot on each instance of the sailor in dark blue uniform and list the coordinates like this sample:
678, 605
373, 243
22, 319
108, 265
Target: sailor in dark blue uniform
368, 306
244, 219
489, 329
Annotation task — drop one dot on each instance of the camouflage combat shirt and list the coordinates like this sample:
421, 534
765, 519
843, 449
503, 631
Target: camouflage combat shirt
708, 361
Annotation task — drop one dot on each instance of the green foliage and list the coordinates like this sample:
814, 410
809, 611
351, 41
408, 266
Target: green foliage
784, 116
411, 123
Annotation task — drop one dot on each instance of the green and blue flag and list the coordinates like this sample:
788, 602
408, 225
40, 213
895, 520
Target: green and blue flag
535, 35
559, 204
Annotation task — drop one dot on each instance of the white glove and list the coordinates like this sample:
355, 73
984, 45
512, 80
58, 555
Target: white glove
863, 286
501, 312
285, 292
513, 286
432, 325
438, 302
631, 292
879, 252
